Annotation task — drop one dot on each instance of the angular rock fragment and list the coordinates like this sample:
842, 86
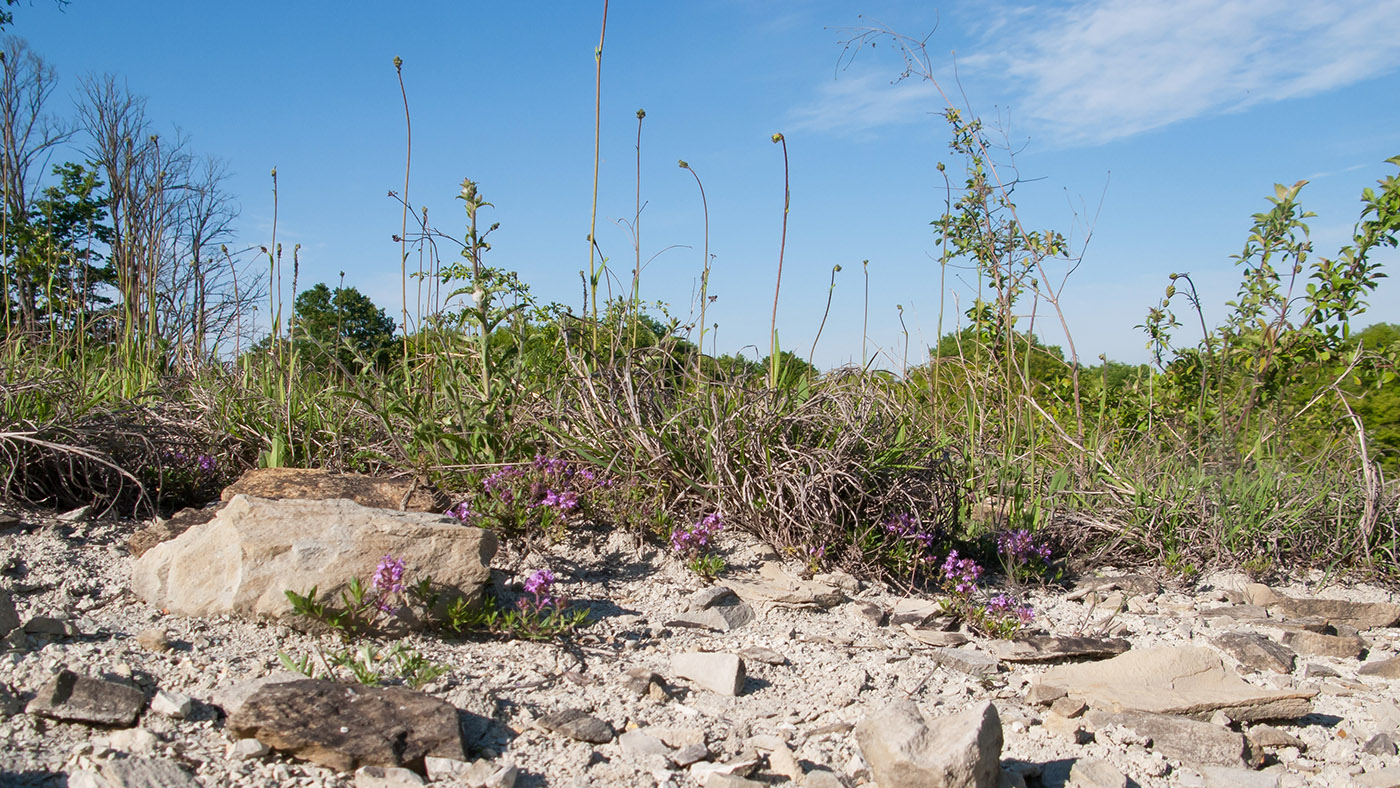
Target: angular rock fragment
1187, 680
1385, 668
134, 773
577, 724
776, 586
1256, 652
375, 492
1040, 648
245, 560
1185, 740
907, 748
346, 726
717, 672
1318, 645
69, 696
1362, 615
1095, 773
966, 660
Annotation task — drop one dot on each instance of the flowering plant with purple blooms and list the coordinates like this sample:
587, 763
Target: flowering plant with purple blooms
1021, 553
181, 478
695, 545
542, 495
366, 608
542, 615
909, 545
1000, 616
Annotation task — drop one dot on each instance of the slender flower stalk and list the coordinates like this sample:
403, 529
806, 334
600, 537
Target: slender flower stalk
782, 247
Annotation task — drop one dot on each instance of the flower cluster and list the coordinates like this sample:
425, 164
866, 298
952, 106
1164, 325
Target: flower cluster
698, 538
1019, 547
540, 585
387, 581
905, 526
961, 574
1006, 606
543, 493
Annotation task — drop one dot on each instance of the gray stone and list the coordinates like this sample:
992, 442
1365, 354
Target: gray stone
869, 611
1362, 615
154, 639
1230, 777
722, 780
1270, 738
690, 754
934, 637
1070, 729
175, 705
255, 550
776, 586
1038, 648
1238, 612
966, 660
711, 596
640, 742
232, 697
345, 726
1141, 585
1387, 777
1314, 644
477, 774
51, 625
721, 618
717, 672
135, 773
642, 683
913, 611
577, 724
69, 696
1187, 680
1182, 739
386, 777
246, 749
1095, 773
1385, 668
1256, 652
137, 741
763, 654
1381, 744
906, 748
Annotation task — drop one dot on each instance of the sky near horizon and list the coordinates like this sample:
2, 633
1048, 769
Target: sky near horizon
1147, 131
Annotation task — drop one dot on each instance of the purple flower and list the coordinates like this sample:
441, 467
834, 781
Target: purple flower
388, 576
961, 573
206, 463
697, 539
1020, 547
905, 526
541, 586
462, 511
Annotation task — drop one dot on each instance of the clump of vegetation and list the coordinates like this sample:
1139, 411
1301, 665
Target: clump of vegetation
1261, 443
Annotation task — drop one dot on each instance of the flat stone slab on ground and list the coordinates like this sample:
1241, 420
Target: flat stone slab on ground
1040, 648
1181, 739
717, 672
1186, 680
1362, 615
577, 724
346, 726
69, 696
907, 748
1257, 652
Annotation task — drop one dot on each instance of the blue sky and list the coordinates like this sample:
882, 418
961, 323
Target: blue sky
1159, 124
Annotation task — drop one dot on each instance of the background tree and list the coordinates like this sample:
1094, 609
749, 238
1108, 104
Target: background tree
344, 322
28, 134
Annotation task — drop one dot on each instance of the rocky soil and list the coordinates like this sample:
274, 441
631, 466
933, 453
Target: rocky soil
789, 679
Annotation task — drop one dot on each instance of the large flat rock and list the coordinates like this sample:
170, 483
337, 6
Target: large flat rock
1190, 681
255, 550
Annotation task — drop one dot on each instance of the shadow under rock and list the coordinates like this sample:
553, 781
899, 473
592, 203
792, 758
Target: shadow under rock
33, 779
1051, 774
1320, 720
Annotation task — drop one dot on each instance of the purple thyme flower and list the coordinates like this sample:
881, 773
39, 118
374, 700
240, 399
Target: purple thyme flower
388, 576
697, 538
541, 586
205, 463
962, 573
1020, 547
462, 511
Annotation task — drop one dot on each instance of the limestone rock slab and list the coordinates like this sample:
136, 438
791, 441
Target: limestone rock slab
906, 748
255, 550
346, 726
1189, 680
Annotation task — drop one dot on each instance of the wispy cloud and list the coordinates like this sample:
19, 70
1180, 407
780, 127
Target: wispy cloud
1094, 71
856, 104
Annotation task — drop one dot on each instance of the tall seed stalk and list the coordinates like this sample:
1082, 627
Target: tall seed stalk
782, 247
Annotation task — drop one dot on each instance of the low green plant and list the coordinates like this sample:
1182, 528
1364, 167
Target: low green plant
366, 609
368, 664
543, 615
1000, 615
695, 546
540, 497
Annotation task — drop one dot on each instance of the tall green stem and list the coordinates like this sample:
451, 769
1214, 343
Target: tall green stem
597, 137
782, 247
